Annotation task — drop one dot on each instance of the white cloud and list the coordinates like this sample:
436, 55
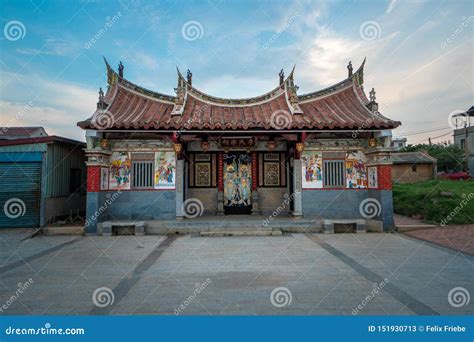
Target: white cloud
391, 6
57, 106
53, 47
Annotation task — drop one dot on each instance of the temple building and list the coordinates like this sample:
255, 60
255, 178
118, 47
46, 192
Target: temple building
316, 157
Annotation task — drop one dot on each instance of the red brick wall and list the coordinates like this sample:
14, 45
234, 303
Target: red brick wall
385, 177
93, 178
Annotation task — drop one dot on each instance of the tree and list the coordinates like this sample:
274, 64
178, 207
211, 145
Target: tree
450, 157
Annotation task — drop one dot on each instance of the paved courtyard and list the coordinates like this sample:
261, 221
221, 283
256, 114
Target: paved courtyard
295, 274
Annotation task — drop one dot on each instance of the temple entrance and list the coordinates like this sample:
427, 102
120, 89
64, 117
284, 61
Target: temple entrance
237, 184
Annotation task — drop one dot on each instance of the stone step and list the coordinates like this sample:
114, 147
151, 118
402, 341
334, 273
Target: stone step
211, 224
71, 230
241, 233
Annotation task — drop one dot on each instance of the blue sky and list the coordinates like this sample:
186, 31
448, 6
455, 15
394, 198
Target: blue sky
419, 53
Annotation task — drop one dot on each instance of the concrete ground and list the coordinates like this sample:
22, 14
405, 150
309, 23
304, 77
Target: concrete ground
297, 274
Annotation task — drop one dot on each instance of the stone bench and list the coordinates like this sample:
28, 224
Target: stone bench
107, 227
329, 225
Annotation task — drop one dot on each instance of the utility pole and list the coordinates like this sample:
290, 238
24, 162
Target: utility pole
466, 144
429, 141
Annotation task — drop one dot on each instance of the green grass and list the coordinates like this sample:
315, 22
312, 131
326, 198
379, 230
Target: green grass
424, 199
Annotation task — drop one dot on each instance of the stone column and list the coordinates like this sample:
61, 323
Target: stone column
97, 158
220, 183
255, 199
379, 157
297, 198
179, 188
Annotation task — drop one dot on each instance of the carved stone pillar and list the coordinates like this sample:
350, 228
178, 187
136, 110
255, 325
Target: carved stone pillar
255, 199
220, 183
180, 189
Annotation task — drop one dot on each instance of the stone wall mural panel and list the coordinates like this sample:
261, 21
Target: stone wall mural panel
356, 170
312, 169
165, 170
120, 170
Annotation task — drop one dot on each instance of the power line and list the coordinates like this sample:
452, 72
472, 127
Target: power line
422, 131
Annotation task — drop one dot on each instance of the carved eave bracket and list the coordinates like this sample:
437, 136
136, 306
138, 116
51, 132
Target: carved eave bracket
96, 157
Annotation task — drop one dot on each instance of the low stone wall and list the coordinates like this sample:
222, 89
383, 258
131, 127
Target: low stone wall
208, 198
129, 205
269, 199
344, 204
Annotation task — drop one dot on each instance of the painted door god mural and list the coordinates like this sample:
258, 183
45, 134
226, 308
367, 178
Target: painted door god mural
237, 183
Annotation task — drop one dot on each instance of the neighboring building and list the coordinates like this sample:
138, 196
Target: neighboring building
399, 143
10, 133
42, 179
464, 138
412, 167
318, 155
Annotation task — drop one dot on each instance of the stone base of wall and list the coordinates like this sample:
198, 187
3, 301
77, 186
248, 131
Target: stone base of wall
345, 204
129, 205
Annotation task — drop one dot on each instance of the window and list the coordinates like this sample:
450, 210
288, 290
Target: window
142, 170
334, 174
272, 169
413, 168
74, 180
202, 170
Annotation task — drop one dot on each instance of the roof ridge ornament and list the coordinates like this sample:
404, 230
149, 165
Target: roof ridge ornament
189, 77
349, 69
282, 77
101, 105
120, 69
373, 105
291, 91
181, 93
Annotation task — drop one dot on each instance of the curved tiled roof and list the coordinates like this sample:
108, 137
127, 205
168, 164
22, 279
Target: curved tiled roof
341, 106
